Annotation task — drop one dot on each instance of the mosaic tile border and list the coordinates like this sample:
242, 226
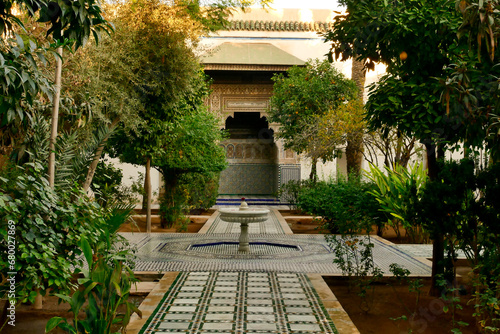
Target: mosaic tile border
314, 256
240, 302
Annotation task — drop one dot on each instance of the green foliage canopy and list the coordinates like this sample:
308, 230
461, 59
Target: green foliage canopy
304, 94
432, 82
67, 23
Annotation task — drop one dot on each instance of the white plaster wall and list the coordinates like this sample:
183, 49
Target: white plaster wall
131, 174
325, 171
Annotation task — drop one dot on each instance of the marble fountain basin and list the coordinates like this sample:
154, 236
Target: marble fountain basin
244, 216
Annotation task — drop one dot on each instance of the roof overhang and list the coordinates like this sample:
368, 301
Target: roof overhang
249, 57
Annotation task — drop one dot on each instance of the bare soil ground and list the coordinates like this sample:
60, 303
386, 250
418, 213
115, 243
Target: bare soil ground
29, 321
139, 225
393, 301
302, 223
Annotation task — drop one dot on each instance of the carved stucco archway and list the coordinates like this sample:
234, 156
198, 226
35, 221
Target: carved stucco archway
258, 165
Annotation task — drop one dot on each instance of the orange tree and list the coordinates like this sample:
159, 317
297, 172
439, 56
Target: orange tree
301, 98
343, 127
418, 42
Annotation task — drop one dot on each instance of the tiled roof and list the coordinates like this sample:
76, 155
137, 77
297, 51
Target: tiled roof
250, 54
251, 25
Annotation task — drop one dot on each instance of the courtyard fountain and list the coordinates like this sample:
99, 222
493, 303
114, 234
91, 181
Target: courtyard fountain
244, 216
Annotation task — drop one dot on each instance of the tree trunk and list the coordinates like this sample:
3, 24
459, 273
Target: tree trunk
358, 75
55, 118
432, 166
148, 195
97, 157
38, 305
438, 237
144, 196
313, 176
354, 156
437, 263
169, 209
354, 149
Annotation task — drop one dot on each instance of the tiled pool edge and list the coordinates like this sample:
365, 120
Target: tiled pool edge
284, 225
209, 222
420, 259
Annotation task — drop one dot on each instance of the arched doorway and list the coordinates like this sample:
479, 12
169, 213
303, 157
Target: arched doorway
252, 156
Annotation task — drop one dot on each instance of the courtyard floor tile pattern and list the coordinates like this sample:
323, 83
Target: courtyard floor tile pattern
267, 291
240, 302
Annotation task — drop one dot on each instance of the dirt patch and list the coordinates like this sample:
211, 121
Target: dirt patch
139, 225
202, 212
292, 213
29, 321
390, 300
305, 225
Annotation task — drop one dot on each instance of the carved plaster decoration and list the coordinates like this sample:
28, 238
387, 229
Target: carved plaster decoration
260, 25
250, 67
231, 98
289, 154
230, 151
239, 151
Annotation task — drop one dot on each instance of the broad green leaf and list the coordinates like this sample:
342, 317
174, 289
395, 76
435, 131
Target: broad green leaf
87, 251
53, 323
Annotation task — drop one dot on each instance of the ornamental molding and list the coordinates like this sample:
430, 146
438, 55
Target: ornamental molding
231, 98
244, 67
259, 25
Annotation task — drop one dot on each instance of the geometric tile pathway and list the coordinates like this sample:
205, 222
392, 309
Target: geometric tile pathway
240, 302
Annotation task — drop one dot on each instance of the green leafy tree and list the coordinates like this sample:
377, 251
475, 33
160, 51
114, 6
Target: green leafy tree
64, 21
471, 80
185, 143
68, 24
416, 40
171, 73
190, 145
165, 67
301, 98
341, 129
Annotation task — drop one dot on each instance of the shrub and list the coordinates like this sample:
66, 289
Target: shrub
398, 192
192, 191
106, 287
107, 186
344, 205
48, 226
202, 189
289, 192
